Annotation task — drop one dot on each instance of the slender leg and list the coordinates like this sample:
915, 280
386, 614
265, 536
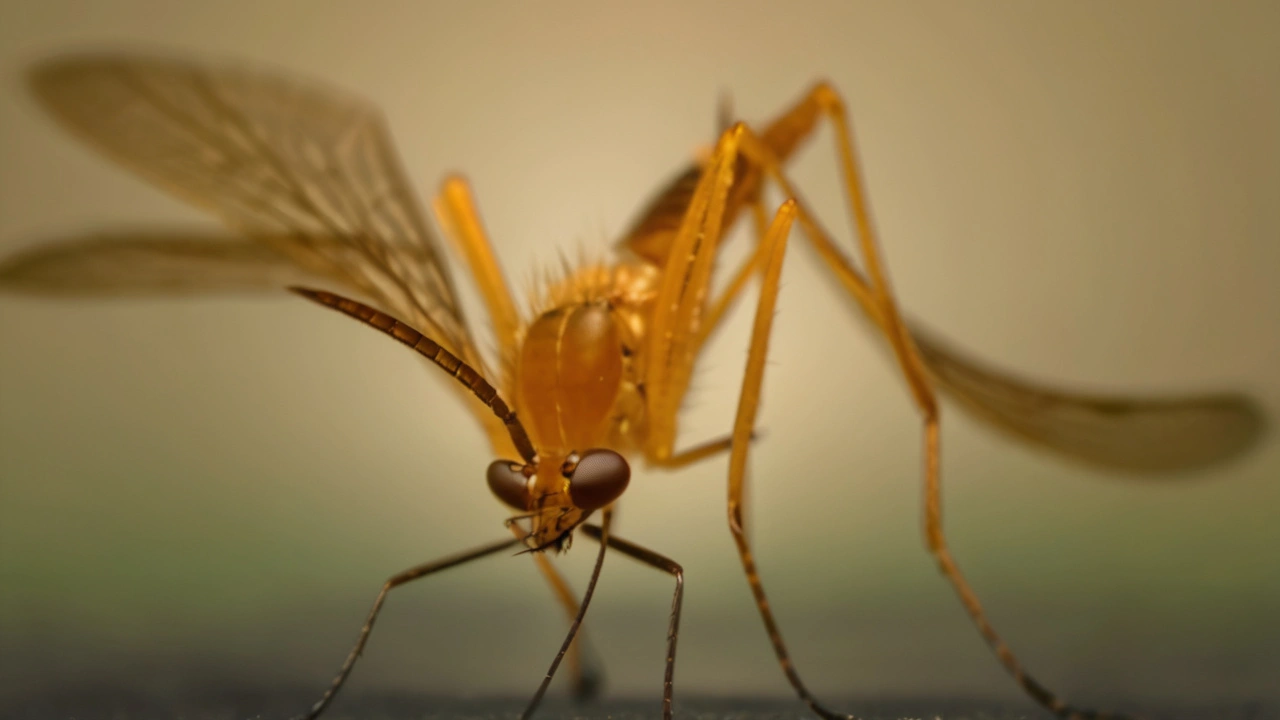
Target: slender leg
653, 559
689, 456
587, 675
396, 580
733, 291
748, 404
456, 212
683, 320
681, 299
455, 207
881, 306
577, 620
677, 332
709, 324
700, 452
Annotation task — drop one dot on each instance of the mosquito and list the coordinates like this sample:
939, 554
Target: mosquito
593, 378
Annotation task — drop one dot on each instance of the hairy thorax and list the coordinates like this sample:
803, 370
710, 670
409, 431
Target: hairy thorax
577, 376
576, 379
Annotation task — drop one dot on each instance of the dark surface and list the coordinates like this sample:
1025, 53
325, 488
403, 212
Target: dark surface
91, 705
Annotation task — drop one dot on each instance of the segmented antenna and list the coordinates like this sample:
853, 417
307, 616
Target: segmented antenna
432, 351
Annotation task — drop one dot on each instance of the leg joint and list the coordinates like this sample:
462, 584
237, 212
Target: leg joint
826, 96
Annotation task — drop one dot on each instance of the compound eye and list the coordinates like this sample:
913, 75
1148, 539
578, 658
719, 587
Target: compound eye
598, 478
508, 482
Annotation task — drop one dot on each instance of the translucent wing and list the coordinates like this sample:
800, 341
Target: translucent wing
1145, 435
279, 161
306, 171
151, 263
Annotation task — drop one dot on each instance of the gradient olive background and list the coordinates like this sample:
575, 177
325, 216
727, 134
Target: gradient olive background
210, 491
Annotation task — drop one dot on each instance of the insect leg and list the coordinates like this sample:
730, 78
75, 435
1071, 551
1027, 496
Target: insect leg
697, 453
394, 581
913, 369
587, 675
881, 306
729, 296
681, 299
744, 422
456, 211
605, 522
665, 564
718, 308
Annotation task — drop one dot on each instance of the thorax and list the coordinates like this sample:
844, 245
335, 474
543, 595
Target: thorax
577, 372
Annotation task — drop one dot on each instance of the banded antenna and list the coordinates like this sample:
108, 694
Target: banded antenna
431, 350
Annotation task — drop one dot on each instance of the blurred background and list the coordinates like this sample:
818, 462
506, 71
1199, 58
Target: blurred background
206, 492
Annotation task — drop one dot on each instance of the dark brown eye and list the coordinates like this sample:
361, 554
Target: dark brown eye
508, 482
598, 479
